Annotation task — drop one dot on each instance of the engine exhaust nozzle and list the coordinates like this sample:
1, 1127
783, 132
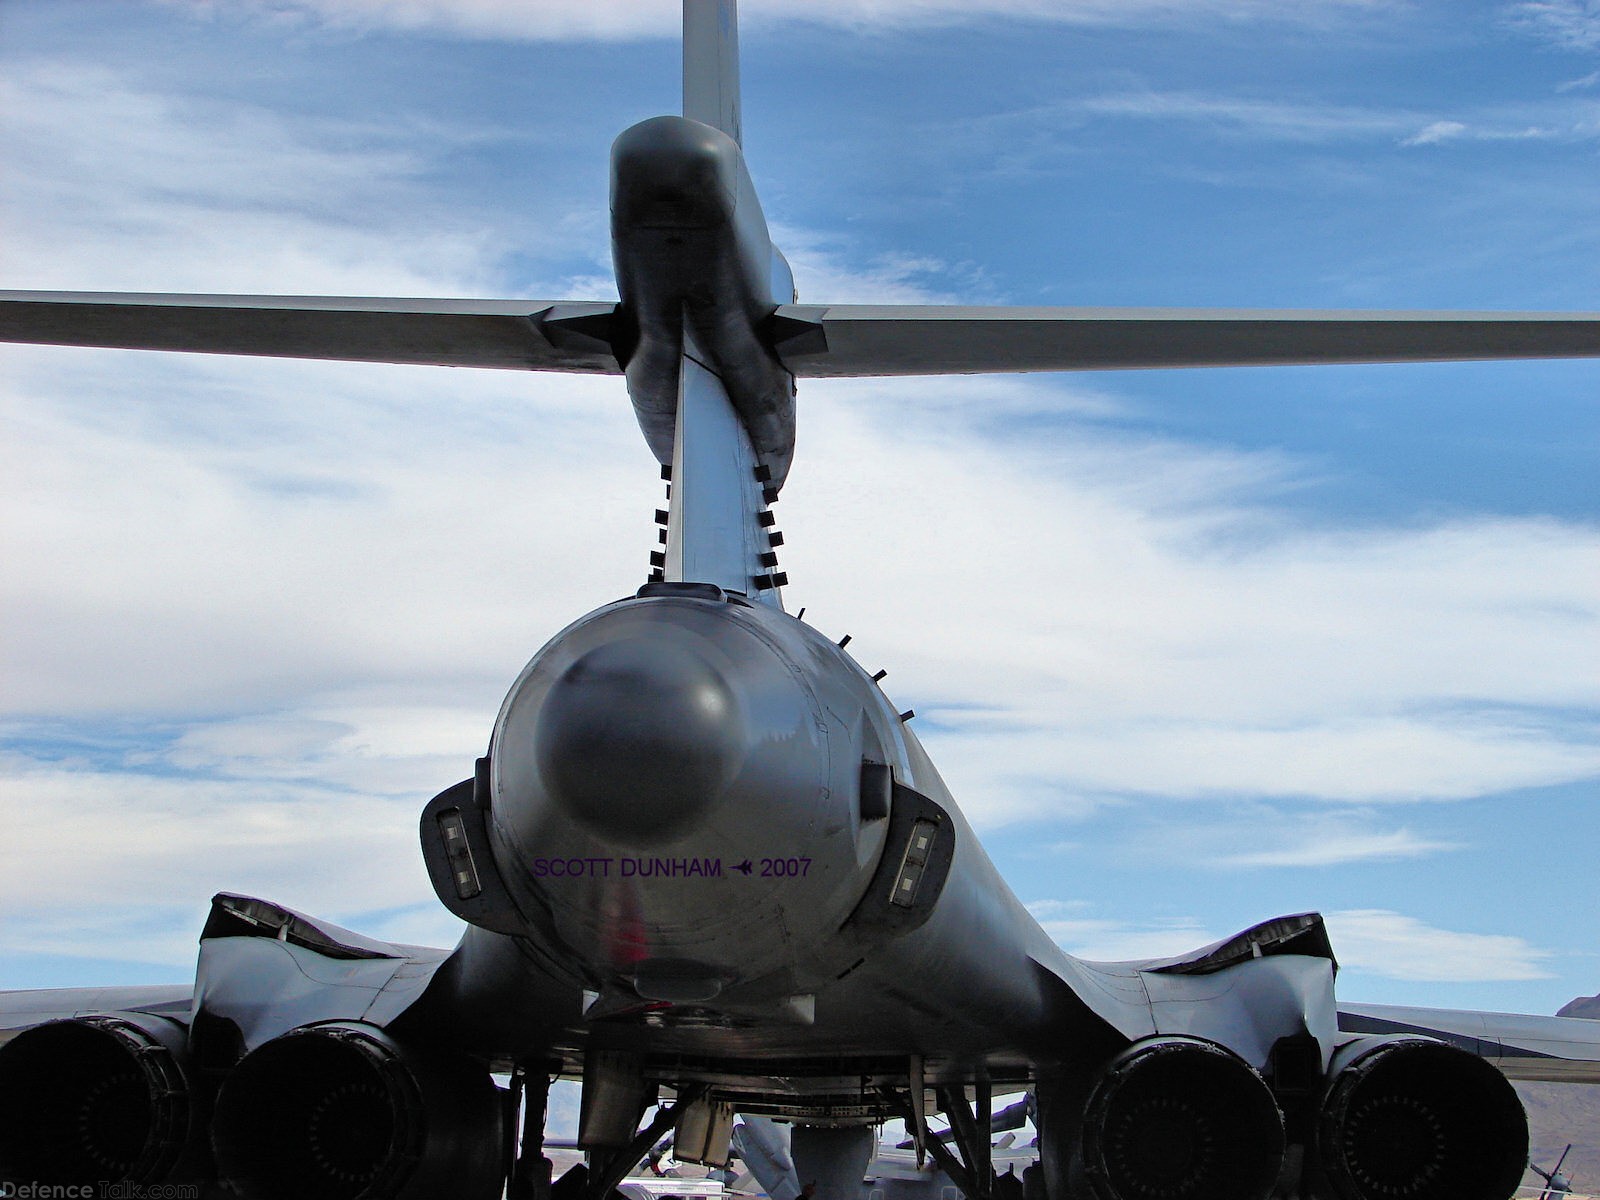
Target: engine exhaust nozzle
1416, 1119
1180, 1117
105, 1097
341, 1111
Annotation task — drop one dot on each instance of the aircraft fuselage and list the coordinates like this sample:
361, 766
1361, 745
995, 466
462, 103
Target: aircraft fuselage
726, 843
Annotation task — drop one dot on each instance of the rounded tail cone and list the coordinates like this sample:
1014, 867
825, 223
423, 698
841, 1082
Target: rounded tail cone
638, 739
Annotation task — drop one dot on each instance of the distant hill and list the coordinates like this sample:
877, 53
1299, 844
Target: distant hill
1559, 1113
1583, 1006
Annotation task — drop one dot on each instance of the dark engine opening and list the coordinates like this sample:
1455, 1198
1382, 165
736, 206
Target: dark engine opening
94, 1098
332, 1112
1181, 1119
1420, 1120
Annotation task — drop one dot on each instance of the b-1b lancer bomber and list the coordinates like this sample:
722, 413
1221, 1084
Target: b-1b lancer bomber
706, 866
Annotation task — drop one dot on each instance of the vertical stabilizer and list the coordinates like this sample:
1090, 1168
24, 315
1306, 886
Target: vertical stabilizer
711, 64
715, 530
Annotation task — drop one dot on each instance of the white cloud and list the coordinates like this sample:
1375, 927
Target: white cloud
1275, 118
542, 20
1163, 632
1245, 834
1574, 24
158, 846
288, 588
1099, 939
1395, 946
1452, 131
1286, 120
217, 197
1438, 131
1374, 942
1337, 849
828, 267
426, 924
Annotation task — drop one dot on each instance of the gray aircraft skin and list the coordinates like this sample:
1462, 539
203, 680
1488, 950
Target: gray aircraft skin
704, 854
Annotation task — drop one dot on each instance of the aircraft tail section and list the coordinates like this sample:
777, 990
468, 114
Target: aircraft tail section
711, 64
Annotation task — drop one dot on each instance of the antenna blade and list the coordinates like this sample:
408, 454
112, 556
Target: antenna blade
844, 340
711, 64
527, 335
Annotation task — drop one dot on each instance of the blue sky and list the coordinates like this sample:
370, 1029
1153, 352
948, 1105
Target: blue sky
1192, 648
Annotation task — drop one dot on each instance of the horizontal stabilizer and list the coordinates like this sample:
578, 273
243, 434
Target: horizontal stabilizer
529, 335
1554, 1049
867, 339
812, 341
23, 1010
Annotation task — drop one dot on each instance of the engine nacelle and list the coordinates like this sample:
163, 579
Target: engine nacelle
1415, 1119
1179, 1117
339, 1110
100, 1098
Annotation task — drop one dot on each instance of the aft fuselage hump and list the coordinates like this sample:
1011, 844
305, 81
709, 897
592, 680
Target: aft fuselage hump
692, 251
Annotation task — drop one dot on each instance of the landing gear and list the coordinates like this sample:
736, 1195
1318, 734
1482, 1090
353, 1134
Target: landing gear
528, 1177
616, 1095
970, 1165
605, 1173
